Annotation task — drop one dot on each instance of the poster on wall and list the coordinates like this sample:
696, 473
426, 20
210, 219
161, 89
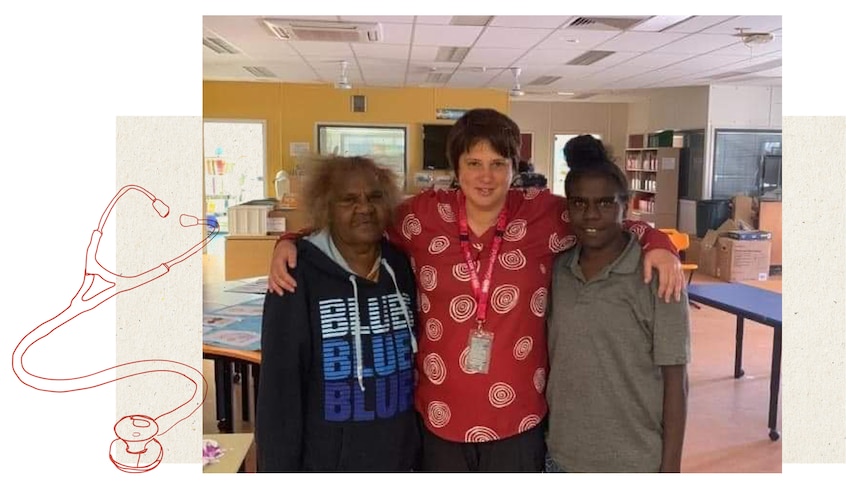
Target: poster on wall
450, 113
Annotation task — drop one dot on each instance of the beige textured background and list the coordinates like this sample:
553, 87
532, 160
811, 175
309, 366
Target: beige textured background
162, 319
814, 372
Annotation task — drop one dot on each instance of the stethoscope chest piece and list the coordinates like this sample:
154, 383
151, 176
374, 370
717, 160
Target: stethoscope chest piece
136, 450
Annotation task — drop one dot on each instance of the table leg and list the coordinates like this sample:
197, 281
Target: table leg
243, 371
774, 380
740, 327
224, 390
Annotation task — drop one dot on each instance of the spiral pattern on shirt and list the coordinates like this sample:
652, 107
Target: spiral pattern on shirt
479, 434
538, 302
462, 308
446, 213
529, 422
428, 278
434, 329
434, 368
501, 395
539, 379
515, 230
411, 226
513, 260
438, 414
438, 245
522, 348
504, 298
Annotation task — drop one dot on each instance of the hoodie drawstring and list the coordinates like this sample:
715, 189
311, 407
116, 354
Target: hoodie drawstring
404, 309
357, 339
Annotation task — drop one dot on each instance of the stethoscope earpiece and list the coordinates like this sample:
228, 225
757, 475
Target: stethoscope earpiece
161, 208
189, 221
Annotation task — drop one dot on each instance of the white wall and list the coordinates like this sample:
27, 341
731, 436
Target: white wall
544, 119
683, 108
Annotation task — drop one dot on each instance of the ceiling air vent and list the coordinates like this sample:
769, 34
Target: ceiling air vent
471, 20
312, 30
604, 23
259, 71
438, 77
451, 54
590, 57
219, 45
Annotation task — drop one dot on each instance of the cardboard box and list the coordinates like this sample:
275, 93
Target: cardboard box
708, 260
743, 208
692, 254
738, 260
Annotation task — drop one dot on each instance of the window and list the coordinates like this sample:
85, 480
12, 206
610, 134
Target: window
383, 144
741, 159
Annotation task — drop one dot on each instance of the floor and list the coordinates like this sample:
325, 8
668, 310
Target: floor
727, 417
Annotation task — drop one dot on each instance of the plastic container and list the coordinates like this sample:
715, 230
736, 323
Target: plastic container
711, 214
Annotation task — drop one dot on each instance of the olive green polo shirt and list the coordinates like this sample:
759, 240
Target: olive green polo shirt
608, 339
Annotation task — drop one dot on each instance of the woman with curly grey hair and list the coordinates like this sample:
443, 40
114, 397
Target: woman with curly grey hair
336, 390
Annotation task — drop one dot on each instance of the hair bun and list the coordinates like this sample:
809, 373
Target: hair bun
584, 149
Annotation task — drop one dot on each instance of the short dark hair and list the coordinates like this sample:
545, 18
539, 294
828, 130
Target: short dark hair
319, 186
479, 124
585, 155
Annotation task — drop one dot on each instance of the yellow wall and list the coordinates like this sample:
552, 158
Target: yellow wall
291, 111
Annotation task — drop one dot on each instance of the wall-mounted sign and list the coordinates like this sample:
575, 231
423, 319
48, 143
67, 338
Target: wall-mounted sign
450, 113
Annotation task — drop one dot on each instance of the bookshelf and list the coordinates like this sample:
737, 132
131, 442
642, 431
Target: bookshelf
653, 174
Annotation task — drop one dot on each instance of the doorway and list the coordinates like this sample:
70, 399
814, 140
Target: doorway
234, 169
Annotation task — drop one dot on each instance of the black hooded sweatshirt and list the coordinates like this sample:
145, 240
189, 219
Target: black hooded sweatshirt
312, 411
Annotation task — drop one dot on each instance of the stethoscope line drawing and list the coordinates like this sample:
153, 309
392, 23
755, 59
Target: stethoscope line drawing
136, 446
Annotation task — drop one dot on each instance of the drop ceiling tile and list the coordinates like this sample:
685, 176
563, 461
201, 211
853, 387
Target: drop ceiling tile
540, 57
445, 35
386, 19
423, 53
501, 37
381, 51
323, 49
530, 21
434, 19
396, 33
697, 24
754, 23
638, 41
576, 39
697, 44
488, 57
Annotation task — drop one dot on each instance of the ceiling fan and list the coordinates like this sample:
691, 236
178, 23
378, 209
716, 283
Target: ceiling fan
343, 82
753, 38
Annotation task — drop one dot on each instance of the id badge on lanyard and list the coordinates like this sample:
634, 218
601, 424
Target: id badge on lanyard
480, 341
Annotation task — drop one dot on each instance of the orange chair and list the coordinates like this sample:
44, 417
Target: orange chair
682, 242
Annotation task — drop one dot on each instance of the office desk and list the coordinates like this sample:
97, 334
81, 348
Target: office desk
233, 360
757, 305
235, 448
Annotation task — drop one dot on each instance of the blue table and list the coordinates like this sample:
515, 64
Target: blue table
757, 305
233, 357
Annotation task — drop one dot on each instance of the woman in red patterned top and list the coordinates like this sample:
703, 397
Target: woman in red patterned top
482, 354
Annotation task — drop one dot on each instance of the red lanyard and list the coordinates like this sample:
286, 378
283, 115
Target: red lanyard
480, 291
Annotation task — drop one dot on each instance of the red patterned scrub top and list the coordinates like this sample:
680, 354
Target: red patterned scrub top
458, 404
